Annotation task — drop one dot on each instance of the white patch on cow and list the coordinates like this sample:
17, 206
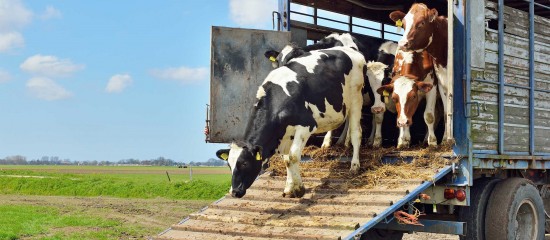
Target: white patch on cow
409, 19
375, 73
311, 61
331, 119
281, 76
388, 47
402, 86
260, 93
286, 50
408, 57
347, 40
234, 153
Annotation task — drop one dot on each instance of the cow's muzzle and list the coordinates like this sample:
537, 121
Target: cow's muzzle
238, 193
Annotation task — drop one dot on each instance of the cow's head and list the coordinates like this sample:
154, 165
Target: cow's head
419, 26
404, 91
279, 59
245, 163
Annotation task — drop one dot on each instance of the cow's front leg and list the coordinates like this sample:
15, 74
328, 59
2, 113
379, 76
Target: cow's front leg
404, 139
294, 187
378, 119
429, 117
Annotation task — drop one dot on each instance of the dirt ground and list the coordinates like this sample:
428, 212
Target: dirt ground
151, 215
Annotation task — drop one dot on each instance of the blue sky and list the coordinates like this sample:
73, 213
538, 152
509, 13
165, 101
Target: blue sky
111, 80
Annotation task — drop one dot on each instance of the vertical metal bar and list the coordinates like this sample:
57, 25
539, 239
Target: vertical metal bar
532, 77
468, 72
315, 16
501, 76
383, 30
350, 24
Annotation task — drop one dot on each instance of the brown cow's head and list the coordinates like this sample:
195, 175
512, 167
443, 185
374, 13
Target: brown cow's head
419, 26
404, 93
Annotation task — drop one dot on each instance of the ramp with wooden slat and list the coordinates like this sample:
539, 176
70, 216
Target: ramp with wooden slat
328, 210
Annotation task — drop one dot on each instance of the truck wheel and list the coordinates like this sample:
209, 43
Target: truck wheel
474, 215
545, 193
515, 211
381, 234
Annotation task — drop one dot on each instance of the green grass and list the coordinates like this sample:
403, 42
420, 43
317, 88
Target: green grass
18, 221
125, 182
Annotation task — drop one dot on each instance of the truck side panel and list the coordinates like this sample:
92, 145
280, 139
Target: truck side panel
485, 85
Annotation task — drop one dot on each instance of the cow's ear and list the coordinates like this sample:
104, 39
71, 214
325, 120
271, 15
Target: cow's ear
433, 14
424, 87
258, 152
385, 89
397, 15
223, 154
271, 55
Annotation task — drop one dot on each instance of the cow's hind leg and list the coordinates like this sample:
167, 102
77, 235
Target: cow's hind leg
294, 187
443, 91
355, 129
327, 141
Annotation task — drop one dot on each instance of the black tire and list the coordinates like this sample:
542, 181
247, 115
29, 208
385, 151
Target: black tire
381, 234
515, 211
474, 215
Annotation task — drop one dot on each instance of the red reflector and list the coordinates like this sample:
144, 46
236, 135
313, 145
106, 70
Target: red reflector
460, 195
449, 193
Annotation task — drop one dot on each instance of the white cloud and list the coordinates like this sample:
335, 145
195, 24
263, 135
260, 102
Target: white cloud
181, 74
252, 13
13, 15
4, 76
118, 82
50, 66
50, 13
11, 40
47, 89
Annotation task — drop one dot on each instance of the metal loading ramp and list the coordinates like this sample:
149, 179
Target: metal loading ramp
328, 210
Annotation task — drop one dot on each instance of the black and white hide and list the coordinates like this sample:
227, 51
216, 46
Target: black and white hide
313, 93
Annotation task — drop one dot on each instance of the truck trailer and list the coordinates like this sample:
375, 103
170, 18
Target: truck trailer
495, 183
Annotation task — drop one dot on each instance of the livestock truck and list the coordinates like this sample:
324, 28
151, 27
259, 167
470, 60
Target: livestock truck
496, 187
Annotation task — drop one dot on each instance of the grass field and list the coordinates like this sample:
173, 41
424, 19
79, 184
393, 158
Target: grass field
115, 181
102, 202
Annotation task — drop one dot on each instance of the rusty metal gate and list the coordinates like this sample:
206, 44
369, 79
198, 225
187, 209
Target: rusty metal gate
238, 67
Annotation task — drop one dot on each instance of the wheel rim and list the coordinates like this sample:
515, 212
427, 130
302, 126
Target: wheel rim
526, 221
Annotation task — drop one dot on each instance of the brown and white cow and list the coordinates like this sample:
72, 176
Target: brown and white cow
426, 31
413, 78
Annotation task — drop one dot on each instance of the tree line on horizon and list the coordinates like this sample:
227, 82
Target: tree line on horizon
160, 161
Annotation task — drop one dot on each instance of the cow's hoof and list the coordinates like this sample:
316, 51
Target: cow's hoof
354, 168
295, 193
377, 142
403, 145
432, 141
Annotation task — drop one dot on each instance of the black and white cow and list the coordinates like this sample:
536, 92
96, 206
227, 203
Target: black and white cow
373, 49
312, 93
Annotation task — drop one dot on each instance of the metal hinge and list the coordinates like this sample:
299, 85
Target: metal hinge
467, 111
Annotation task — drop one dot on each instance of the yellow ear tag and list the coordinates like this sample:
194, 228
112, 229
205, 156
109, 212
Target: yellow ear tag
258, 156
224, 156
399, 25
386, 95
273, 59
